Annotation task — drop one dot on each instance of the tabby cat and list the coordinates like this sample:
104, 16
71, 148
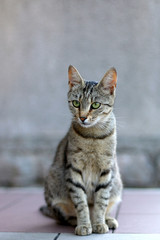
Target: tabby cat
84, 181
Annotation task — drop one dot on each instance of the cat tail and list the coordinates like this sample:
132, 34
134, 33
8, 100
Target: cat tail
58, 215
46, 212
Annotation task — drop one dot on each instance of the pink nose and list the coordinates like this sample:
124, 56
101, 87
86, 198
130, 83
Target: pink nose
83, 119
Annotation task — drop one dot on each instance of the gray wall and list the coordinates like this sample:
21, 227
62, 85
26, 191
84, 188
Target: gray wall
39, 39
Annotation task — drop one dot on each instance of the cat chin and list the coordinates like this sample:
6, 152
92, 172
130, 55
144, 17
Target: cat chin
86, 125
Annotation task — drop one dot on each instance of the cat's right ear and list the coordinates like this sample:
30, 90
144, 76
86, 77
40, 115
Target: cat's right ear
74, 78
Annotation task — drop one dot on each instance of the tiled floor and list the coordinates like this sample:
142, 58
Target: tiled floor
138, 214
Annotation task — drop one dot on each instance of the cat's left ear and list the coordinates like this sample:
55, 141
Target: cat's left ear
108, 83
74, 77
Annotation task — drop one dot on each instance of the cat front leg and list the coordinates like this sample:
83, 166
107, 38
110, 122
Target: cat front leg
101, 202
79, 198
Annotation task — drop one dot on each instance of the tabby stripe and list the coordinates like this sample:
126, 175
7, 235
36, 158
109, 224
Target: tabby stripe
76, 205
76, 197
93, 137
78, 185
110, 133
105, 172
71, 190
105, 198
101, 204
87, 90
108, 105
74, 169
103, 185
65, 153
80, 210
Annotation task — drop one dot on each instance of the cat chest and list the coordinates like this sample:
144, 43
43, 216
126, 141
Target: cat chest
90, 175
90, 157
91, 147
91, 151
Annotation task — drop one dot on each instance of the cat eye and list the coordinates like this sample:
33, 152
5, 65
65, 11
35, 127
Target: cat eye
76, 103
95, 105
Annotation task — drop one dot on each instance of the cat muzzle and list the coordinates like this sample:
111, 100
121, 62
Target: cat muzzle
83, 119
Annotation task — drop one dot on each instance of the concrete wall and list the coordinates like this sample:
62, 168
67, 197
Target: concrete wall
39, 39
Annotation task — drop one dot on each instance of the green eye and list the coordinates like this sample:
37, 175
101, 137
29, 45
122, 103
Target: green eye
76, 103
95, 105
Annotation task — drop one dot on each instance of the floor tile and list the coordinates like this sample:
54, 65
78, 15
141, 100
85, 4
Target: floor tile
65, 236
7, 200
139, 212
141, 201
139, 224
27, 236
26, 217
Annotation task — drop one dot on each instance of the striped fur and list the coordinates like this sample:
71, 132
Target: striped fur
84, 172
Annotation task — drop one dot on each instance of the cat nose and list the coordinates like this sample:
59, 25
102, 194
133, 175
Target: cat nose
83, 119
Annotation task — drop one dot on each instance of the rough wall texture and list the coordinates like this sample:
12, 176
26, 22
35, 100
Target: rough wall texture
38, 40
25, 161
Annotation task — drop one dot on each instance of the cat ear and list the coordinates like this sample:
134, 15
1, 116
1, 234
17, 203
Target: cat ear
74, 77
108, 82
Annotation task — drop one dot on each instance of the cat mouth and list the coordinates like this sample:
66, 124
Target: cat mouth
84, 123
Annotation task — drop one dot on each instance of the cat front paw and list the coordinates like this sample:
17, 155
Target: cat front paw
100, 228
83, 230
112, 223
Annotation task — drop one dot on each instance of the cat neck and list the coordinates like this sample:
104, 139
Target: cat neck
100, 130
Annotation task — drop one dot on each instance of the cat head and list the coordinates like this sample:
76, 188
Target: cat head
91, 102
